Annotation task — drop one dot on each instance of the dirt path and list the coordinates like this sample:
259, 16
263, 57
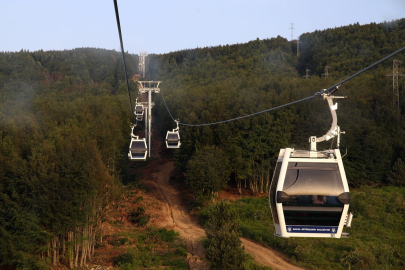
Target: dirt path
175, 216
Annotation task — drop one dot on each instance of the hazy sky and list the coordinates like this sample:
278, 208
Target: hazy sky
158, 26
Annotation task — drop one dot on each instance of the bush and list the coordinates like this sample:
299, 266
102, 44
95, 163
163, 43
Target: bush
163, 235
179, 264
138, 199
138, 217
124, 258
224, 245
396, 176
143, 220
181, 251
119, 242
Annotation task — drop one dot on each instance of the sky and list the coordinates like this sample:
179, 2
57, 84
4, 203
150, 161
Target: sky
162, 26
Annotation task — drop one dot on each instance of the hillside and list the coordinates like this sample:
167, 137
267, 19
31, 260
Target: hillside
218, 83
64, 133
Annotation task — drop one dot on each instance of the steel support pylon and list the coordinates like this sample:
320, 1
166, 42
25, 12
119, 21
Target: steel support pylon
149, 87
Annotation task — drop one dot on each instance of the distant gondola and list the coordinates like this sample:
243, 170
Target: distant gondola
139, 112
173, 137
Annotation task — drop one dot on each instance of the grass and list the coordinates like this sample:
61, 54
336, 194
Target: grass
154, 248
376, 239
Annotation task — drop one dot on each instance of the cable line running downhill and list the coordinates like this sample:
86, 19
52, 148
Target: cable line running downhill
317, 94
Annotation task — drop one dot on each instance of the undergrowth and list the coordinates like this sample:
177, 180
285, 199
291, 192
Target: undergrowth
153, 248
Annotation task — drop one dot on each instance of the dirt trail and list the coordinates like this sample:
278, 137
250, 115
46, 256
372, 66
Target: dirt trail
175, 216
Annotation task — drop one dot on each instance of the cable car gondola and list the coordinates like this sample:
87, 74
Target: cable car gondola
309, 193
138, 149
173, 137
139, 112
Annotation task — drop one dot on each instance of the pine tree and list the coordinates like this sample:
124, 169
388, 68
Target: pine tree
396, 176
224, 245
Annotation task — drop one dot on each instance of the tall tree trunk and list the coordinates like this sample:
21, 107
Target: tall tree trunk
77, 247
268, 180
93, 241
238, 183
84, 247
55, 250
261, 183
62, 241
70, 250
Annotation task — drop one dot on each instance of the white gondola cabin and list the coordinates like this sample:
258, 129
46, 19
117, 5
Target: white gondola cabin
309, 194
139, 112
138, 149
173, 137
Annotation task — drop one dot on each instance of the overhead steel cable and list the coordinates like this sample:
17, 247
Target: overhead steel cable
123, 57
166, 105
237, 118
361, 71
333, 87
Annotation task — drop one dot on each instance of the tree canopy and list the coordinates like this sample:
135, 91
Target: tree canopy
63, 131
213, 84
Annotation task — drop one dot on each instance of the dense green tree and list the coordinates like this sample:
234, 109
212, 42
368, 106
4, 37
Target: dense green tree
396, 176
224, 249
20, 233
207, 172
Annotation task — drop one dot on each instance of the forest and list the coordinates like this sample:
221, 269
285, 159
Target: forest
65, 118
63, 136
214, 84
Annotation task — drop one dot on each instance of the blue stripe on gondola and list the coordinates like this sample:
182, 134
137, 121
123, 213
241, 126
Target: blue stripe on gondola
312, 229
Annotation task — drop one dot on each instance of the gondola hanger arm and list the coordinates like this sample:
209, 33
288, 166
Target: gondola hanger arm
334, 129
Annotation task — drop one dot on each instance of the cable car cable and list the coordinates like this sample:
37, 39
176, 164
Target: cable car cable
123, 56
361, 71
249, 115
161, 93
327, 91
240, 117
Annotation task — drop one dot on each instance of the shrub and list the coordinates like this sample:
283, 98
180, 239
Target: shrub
124, 258
224, 245
138, 199
138, 217
181, 251
179, 264
119, 242
163, 235
396, 176
143, 220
